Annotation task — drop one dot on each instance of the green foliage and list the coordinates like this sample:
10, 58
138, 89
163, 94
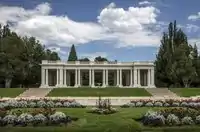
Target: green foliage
176, 63
72, 54
84, 59
99, 58
21, 58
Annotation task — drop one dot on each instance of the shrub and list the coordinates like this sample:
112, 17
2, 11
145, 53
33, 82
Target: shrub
22, 104
39, 119
152, 118
50, 104
58, 117
172, 120
149, 104
139, 104
198, 119
158, 104
184, 104
58, 104
25, 119
41, 104
166, 104
10, 119
175, 104
32, 105
11, 104
187, 120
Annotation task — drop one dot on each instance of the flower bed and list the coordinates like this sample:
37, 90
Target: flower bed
39, 103
172, 117
36, 118
103, 106
193, 103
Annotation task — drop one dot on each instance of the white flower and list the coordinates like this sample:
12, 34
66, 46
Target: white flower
39, 118
172, 120
10, 119
25, 118
58, 117
41, 104
58, 104
187, 120
50, 104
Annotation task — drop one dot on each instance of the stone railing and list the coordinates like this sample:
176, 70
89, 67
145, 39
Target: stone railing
98, 62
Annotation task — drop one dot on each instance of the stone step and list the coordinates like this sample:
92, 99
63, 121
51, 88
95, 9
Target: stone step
160, 92
35, 92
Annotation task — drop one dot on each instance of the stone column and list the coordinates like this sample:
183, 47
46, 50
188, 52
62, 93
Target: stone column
117, 77
135, 77
103, 80
120, 78
76, 78
61, 77
79, 77
149, 78
65, 78
152, 78
90, 77
131, 77
47, 78
106, 77
57, 77
139, 84
42, 77
93, 78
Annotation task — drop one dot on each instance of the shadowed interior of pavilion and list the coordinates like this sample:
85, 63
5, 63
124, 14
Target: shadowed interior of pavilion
53, 77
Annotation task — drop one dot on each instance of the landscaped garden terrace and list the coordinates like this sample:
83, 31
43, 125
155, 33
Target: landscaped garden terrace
56, 114
95, 92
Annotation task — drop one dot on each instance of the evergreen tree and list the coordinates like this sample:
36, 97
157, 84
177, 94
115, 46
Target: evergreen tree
72, 54
174, 66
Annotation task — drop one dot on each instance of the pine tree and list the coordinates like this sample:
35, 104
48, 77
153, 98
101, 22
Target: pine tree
173, 62
72, 54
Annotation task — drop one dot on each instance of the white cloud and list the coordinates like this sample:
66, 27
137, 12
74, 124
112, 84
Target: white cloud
194, 17
92, 56
131, 27
192, 28
144, 3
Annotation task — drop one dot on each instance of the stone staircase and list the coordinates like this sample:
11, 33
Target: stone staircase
35, 92
161, 92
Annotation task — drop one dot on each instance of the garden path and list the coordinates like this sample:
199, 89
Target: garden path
35, 92
161, 92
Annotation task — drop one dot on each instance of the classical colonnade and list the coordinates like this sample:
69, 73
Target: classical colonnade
61, 74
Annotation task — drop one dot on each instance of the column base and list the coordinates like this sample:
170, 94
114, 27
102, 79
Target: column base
44, 86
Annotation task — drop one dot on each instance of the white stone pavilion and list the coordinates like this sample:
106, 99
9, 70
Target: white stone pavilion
58, 74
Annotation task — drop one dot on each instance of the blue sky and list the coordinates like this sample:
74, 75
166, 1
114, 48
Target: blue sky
123, 30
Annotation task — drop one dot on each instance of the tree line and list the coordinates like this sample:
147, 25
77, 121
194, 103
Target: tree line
20, 59
177, 63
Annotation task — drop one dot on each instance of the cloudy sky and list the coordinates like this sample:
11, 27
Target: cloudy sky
124, 30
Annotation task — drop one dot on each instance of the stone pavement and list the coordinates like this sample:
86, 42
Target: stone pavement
35, 92
161, 92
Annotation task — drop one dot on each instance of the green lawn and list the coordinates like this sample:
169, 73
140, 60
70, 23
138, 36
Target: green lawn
84, 92
11, 92
186, 92
122, 121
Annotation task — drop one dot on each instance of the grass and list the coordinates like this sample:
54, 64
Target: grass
11, 92
92, 92
122, 121
186, 92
